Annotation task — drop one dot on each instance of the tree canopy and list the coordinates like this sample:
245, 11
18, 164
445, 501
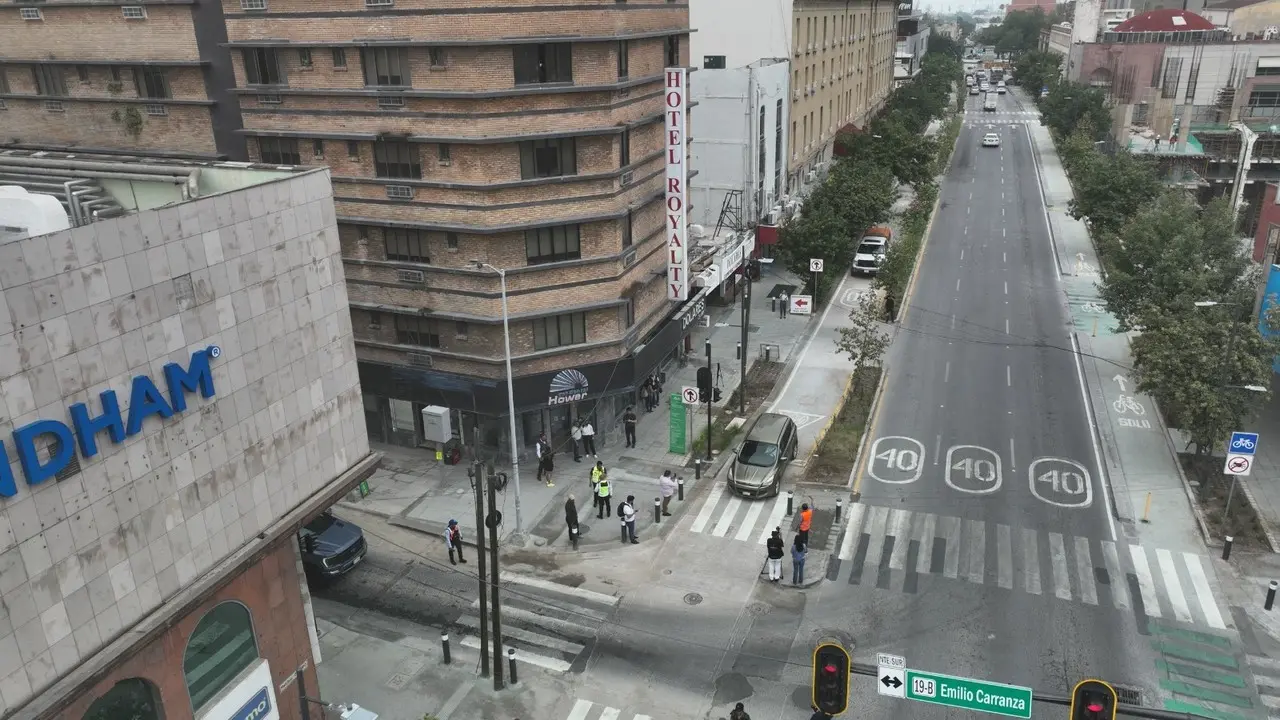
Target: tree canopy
1070, 105
1037, 69
1109, 189
1018, 33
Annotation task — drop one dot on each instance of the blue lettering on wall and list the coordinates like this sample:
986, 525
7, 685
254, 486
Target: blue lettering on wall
145, 400
257, 707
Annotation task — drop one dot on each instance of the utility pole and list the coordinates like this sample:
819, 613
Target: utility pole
710, 399
494, 518
746, 322
477, 483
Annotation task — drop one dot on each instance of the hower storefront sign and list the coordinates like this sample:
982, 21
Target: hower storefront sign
145, 400
677, 175
568, 386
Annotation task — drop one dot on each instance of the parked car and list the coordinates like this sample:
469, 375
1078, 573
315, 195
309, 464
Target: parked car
870, 255
758, 465
330, 545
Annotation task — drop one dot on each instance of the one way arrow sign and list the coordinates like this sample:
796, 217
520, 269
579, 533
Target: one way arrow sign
892, 681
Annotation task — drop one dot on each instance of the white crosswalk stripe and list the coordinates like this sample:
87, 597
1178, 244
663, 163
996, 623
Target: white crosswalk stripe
1266, 676
1058, 561
925, 537
1031, 560
977, 546
1084, 572
587, 710
1176, 598
1146, 584
548, 624
1119, 589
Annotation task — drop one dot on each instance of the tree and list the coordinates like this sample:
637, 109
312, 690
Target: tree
816, 233
864, 340
1019, 32
859, 192
1174, 254
1037, 69
1070, 104
1110, 190
889, 143
946, 46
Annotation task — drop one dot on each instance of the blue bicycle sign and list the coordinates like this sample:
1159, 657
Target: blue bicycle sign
1243, 443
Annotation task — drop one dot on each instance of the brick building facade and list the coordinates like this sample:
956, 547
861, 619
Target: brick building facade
526, 138
142, 76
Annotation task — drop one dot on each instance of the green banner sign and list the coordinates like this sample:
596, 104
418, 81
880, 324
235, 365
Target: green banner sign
677, 425
969, 694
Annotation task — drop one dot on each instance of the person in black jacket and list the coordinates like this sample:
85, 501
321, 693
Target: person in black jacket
571, 519
775, 547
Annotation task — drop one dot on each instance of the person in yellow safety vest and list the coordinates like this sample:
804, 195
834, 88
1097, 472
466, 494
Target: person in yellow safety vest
597, 473
602, 494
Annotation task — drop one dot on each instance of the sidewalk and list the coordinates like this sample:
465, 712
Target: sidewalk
1136, 452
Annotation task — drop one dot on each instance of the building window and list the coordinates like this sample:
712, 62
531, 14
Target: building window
151, 83
559, 331
624, 61
396, 159
777, 152
134, 12
82, 73
386, 66
375, 320
673, 50
761, 152
461, 329
624, 148
304, 57
317, 149
443, 154
279, 151
49, 80
629, 313
713, 62
546, 63
340, 58
253, 4
436, 56
626, 231
552, 244
548, 158
132, 698
407, 245
419, 331
115, 74
451, 241
4, 81
262, 67
221, 646
353, 150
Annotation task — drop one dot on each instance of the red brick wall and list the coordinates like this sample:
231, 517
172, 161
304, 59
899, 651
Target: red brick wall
1268, 215
271, 592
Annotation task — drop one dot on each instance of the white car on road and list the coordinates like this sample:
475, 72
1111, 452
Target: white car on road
991, 140
870, 255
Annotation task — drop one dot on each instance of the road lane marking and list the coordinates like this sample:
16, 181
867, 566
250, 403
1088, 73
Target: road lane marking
958, 282
953, 321
951, 568
749, 522
966, 229
775, 519
975, 468
851, 531
962, 258
708, 507
1004, 549
1084, 571
580, 593
1006, 326
1146, 585
876, 531
1070, 480
946, 377
1004, 232
1004, 257
1006, 287
1174, 588
900, 529
726, 518
925, 535
1115, 576
580, 710
1058, 560
844, 277
552, 664
1013, 457
899, 459
977, 551
1093, 435
937, 443
1031, 560
610, 714
1008, 378
1201, 585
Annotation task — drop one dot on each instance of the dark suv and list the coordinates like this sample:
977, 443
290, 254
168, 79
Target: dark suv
331, 546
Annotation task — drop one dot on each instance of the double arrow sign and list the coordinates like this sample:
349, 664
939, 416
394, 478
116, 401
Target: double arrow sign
892, 681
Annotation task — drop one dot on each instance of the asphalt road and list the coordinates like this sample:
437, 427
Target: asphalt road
983, 451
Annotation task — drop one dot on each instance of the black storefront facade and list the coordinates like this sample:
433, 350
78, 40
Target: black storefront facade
549, 402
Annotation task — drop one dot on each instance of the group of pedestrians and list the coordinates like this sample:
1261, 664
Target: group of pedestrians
651, 392
775, 547
602, 501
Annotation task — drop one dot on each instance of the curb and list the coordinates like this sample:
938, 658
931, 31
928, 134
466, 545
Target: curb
866, 430
831, 419
1266, 531
810, 580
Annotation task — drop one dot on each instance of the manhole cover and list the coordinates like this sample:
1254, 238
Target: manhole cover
583, 529
759, 608
692, 599
397, 681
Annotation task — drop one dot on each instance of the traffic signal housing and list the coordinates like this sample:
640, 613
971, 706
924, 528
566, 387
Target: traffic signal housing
1093, 700
715, 394
831, 670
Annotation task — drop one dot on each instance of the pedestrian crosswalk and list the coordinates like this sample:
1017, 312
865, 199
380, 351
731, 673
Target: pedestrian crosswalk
1266, 676
1006, 113
1078, 569
550, 625
587, 710
725, 514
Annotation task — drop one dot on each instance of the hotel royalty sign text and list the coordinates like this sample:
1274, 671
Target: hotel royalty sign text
675, 122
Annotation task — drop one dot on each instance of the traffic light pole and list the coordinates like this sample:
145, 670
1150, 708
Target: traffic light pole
492, 522
477, 482
746, 323
710, 399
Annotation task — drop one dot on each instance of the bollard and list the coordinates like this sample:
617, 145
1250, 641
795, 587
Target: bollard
511, 664
1271, 595
1226, 547
680, 488
1146, 512
624, 532
839, 509
657, 510
697, 469
791, 495
737, 354
444, 640
573, 537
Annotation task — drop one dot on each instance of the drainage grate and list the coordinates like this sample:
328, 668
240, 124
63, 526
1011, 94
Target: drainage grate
1128, 695
692, 599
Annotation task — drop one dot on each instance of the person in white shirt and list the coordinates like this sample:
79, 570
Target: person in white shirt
628, 509
667, 486
588, 439
576, 434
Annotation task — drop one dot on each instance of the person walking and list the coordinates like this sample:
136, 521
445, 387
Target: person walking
798, 553
576, 433
667, 485
889, 308
539, 448
629, 423
628, 512
775, 546
806, 521
453, 541
603, 491
588, 439
739, 713
571, 518
598, 473
546, 465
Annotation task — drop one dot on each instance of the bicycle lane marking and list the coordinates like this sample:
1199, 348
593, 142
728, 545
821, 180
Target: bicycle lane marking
1129, 412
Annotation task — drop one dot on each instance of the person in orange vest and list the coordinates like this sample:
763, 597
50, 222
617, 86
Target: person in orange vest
806, 520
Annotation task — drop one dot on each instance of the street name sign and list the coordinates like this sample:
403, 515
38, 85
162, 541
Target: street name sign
969, 694
891, 675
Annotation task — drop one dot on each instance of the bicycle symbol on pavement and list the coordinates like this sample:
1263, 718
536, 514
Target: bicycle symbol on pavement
1126, 403
1093, 307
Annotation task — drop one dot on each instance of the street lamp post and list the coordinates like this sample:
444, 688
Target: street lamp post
511, 396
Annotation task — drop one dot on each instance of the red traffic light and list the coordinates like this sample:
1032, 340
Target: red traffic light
1094, 707
1093, 700
830, 686
830, 669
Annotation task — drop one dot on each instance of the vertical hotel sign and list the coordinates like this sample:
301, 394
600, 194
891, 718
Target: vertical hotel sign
677, 177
